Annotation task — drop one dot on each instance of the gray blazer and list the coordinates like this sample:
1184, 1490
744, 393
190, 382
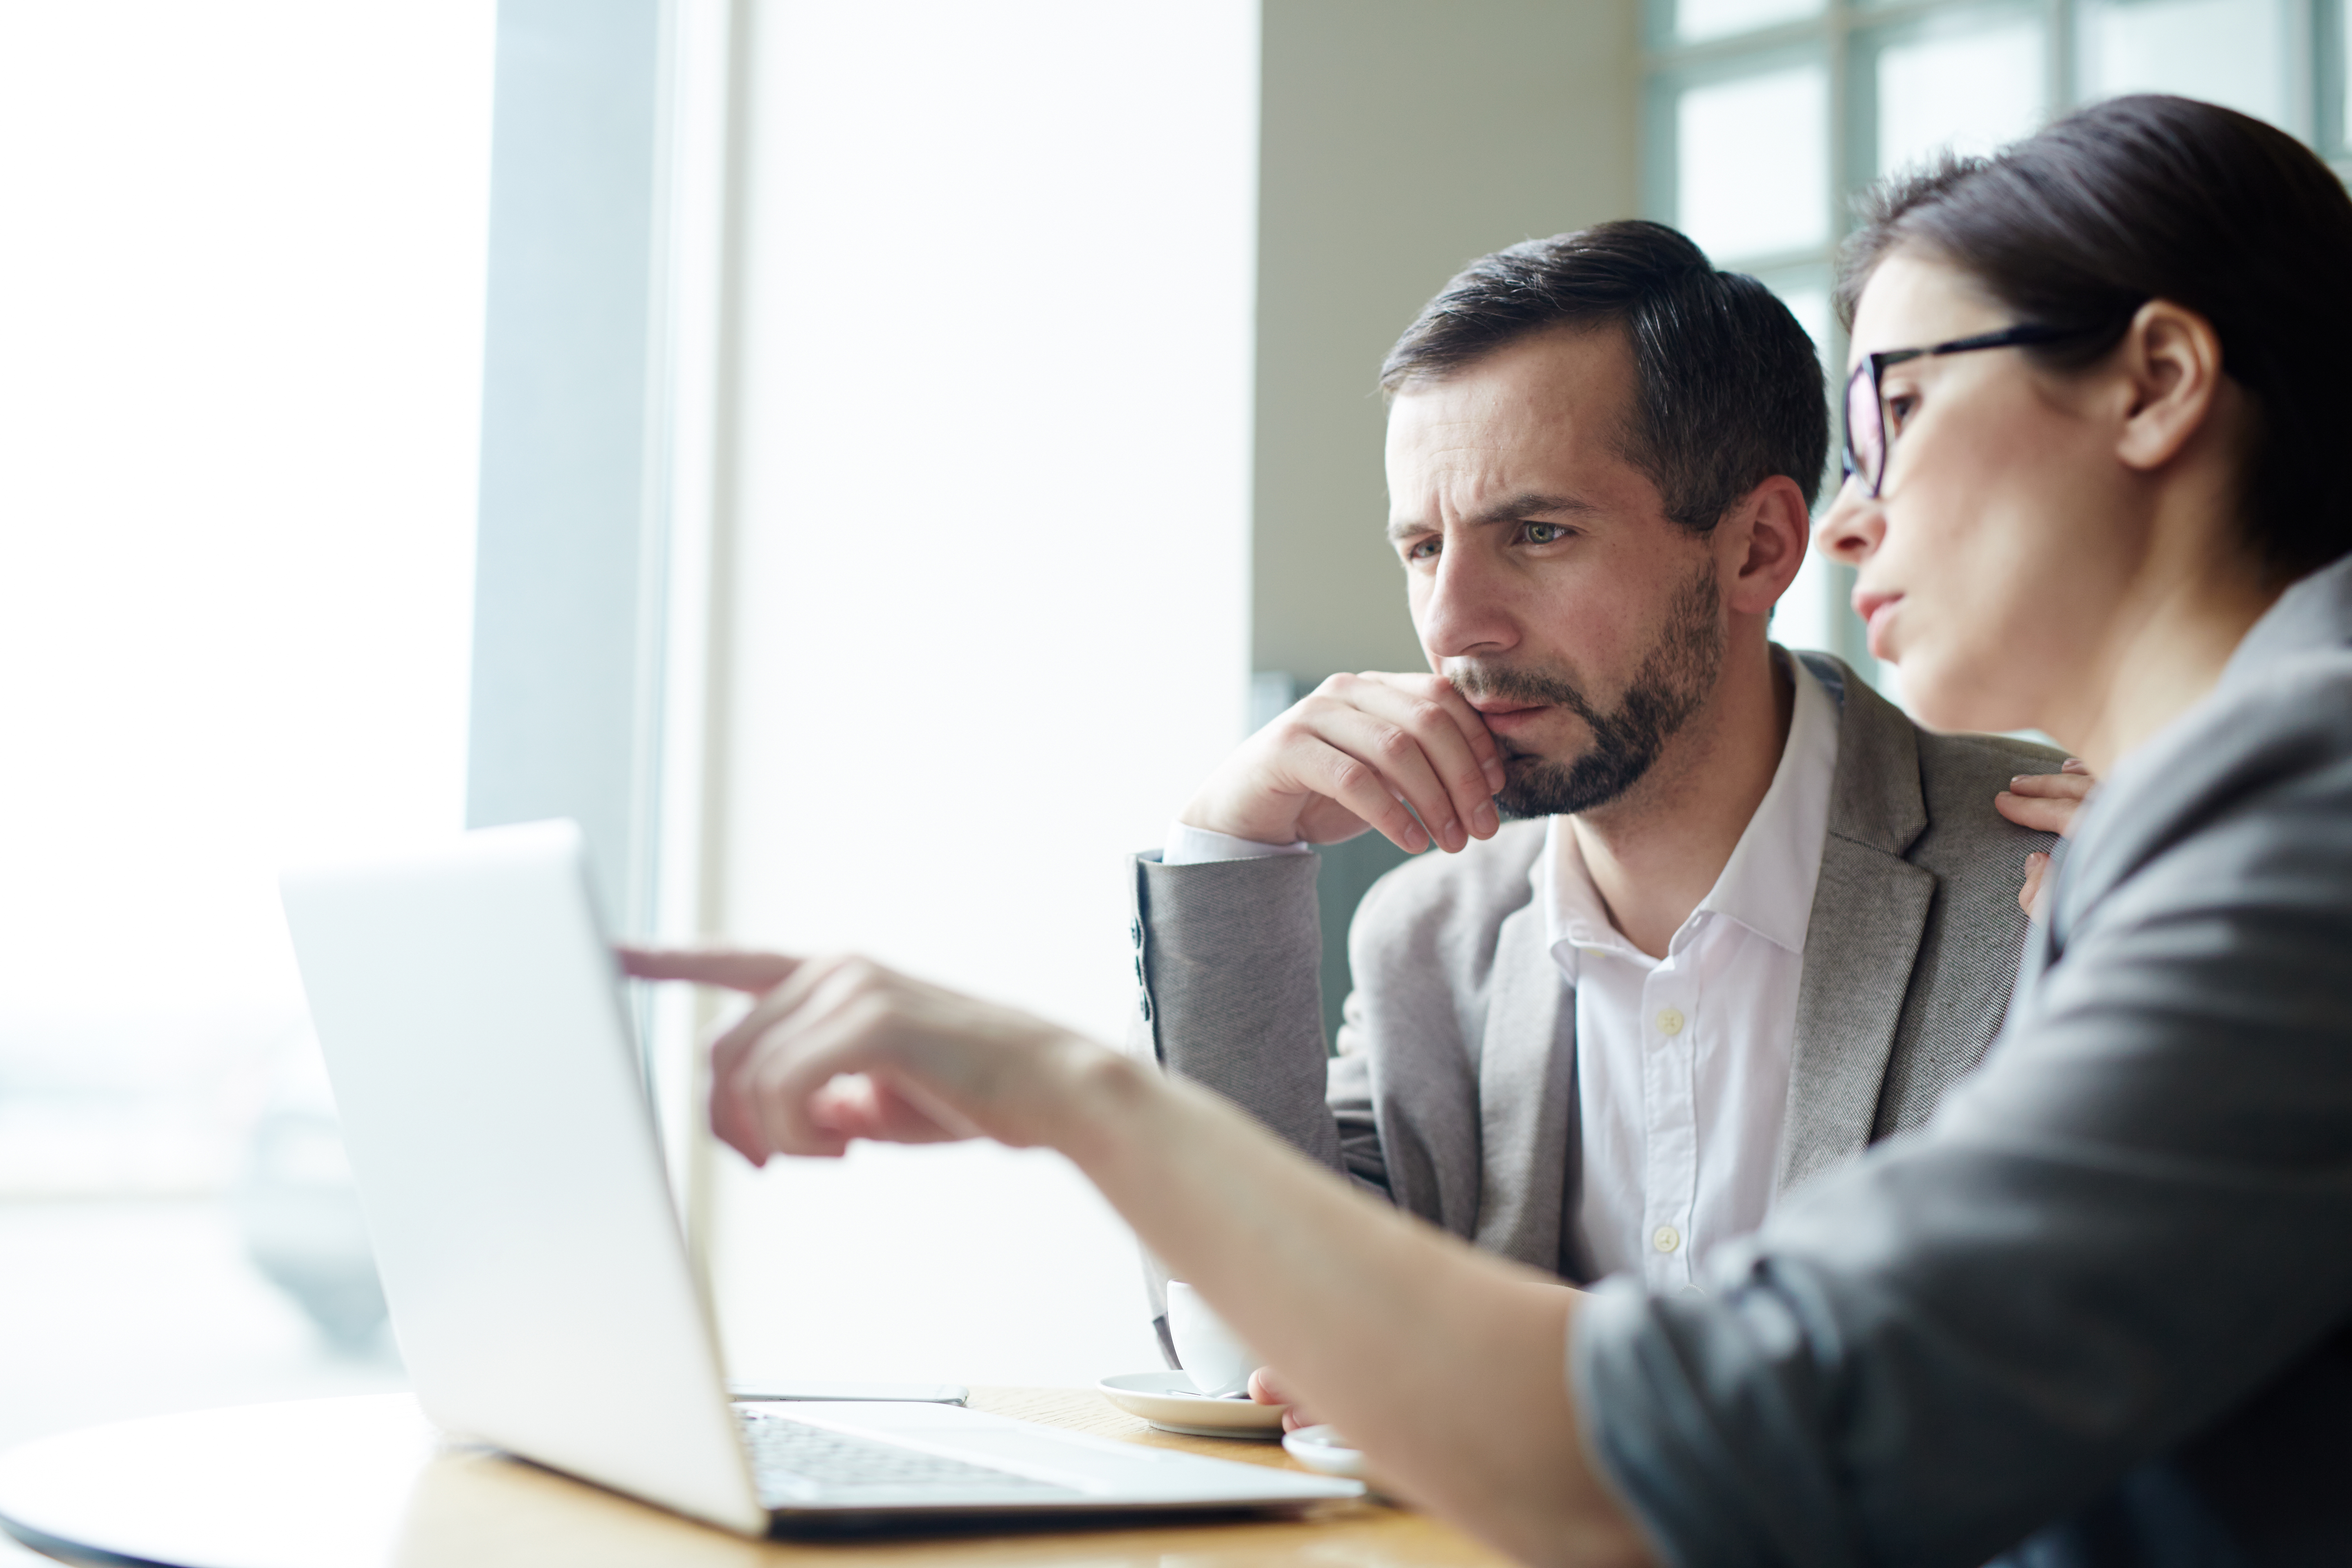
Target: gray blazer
2110, 1284
1455, 1090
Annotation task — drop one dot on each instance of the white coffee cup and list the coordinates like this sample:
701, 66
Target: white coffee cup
1214, 1357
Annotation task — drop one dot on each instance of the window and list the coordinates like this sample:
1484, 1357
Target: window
242, 311
1764, 117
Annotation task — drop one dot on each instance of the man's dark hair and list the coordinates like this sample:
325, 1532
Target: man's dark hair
2151, 197
1726, 387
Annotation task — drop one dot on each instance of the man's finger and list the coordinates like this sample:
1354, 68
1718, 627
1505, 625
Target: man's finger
1331, 771
1410, 743
736, 969
1468, 720
1443, 726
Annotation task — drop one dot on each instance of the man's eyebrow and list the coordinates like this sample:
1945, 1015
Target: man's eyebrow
1519, 507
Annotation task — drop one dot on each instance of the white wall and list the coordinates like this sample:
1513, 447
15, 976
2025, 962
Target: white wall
987, 592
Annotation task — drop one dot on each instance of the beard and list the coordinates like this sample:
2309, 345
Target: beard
1676, 677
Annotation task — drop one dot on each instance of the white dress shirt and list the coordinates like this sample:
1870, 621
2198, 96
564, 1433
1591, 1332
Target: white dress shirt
1682, 1061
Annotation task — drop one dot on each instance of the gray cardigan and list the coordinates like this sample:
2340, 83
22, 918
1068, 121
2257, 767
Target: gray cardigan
2110, 1284
1454, 1093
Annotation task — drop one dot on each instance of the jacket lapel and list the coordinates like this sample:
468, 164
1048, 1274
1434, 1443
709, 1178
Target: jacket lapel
1870, 911
1526, 1098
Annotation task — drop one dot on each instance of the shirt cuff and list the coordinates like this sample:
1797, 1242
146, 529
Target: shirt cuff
1189, 846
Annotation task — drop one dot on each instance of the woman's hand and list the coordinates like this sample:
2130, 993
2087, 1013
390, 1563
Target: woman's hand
1440, 1362
836, 1048
2047, 803
1266, 1386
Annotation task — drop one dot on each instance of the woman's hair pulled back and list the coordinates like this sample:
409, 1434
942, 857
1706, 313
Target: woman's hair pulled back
2151, 197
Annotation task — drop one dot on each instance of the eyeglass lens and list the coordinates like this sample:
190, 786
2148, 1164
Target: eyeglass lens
1865, 437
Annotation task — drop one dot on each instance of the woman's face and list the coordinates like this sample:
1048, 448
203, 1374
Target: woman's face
2000, 544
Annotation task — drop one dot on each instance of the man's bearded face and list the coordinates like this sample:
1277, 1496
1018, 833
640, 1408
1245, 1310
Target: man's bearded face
1673, 681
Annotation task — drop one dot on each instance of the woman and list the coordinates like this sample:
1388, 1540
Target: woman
2095, 1311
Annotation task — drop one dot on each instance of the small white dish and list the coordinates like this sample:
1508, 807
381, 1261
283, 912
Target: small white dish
1324, 1451
1169, 1401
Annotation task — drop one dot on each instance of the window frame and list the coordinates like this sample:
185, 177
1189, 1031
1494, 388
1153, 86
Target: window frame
614, 251
1846, 34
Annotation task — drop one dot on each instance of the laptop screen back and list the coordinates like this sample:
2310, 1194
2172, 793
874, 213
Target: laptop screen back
495, 1116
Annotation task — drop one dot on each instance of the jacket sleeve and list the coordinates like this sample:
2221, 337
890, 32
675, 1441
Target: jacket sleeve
1226, 956
1229, 995
2131, 1228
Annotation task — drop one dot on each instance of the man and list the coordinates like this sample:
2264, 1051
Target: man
1750, 919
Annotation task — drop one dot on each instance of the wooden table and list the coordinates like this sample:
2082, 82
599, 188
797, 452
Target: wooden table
367, 1483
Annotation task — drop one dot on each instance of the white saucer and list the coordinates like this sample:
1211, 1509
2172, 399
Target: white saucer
1169, 1401
1324, 1451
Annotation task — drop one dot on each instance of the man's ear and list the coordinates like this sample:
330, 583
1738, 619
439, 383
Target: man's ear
2170, 358
1763, 544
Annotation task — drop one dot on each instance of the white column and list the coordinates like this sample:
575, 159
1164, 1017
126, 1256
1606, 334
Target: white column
987, 578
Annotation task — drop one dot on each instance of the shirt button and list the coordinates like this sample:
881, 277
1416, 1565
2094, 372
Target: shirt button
1670, 1022
1665, 1238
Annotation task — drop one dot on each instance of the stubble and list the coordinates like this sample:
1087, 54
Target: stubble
1674, 680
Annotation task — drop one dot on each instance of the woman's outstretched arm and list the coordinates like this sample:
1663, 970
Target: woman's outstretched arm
1445, 1365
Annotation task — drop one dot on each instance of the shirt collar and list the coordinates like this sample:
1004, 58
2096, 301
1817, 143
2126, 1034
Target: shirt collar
1575, 920
1768, 884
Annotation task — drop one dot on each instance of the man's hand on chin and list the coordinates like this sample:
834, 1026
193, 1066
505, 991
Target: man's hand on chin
1358, 752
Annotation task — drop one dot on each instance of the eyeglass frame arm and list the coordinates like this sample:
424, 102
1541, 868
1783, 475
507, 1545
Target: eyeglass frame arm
2025, 334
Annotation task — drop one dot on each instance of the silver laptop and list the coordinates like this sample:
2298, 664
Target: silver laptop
496, 1117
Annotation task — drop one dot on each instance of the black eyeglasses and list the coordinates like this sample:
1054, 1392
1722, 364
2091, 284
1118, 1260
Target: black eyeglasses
1867, 442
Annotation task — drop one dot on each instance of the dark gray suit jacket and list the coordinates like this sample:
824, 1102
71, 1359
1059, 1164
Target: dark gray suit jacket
1455, 1092
2110, 1284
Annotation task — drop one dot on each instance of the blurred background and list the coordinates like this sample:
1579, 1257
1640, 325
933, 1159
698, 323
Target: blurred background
865, 462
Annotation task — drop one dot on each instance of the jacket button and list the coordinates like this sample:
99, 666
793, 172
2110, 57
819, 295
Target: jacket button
1143, 1004
1135, 932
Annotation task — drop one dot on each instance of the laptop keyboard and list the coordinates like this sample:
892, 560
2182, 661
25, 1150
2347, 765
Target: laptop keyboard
795, 1461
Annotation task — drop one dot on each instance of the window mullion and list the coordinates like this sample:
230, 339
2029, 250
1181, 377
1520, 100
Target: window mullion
2302, 84
1842, 133
2060, 19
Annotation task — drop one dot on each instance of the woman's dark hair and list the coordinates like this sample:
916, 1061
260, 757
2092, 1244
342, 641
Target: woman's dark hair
2166, 198
1727, 386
